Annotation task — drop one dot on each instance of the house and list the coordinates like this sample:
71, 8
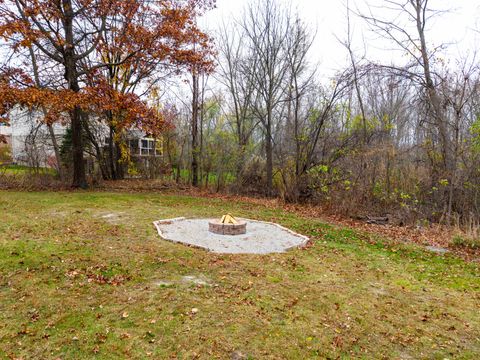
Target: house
31, 141
141, 145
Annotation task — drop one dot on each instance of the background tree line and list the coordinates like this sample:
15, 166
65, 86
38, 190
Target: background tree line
246, 109
378, 138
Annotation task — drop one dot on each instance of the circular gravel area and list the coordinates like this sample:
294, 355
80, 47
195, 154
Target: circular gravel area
260, 238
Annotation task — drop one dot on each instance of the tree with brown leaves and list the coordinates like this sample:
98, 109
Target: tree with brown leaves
104, 47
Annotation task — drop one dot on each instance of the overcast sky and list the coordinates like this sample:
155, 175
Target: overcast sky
328, 18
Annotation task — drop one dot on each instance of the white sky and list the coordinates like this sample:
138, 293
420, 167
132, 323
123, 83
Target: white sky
328, 17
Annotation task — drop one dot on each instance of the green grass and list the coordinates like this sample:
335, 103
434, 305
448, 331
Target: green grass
23, 170
75, 285
466, 242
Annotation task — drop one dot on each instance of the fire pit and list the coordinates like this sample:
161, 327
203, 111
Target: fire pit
227, 225
261, 237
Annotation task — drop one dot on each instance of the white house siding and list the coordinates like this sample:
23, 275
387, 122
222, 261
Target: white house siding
6, 131
26, 125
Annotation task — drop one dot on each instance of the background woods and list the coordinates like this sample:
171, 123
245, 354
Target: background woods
245, 109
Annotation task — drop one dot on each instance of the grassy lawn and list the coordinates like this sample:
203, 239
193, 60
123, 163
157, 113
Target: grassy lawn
23, 170
84, 275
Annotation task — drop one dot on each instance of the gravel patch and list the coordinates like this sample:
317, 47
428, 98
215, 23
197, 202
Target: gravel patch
261, 237
195, 280
112, 218
187, 280
162, 283
436, 249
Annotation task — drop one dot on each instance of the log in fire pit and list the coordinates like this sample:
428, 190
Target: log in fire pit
227, 225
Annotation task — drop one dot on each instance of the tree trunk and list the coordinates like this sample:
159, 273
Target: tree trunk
448, 163
240, 161
102, 161
269, 153
119, 169
431, 90
195, 105
71, 75
79, 176
56, 150
111, 155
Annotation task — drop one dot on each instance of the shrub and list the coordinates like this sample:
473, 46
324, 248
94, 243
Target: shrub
466, 242
5, 154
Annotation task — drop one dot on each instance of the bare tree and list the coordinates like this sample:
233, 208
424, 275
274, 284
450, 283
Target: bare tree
348, 43
237, 73
407, 28
266, 25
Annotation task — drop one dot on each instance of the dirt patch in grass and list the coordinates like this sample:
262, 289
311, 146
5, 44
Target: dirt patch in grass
112, 218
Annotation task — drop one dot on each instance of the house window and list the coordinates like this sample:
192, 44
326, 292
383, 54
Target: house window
147, 147
133, 145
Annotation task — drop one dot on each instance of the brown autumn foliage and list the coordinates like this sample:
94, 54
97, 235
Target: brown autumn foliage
92, 99
107, 49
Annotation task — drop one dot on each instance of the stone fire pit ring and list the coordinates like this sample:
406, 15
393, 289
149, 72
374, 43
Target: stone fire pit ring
217, 227
260, 237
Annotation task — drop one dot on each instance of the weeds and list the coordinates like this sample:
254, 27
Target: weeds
466, 242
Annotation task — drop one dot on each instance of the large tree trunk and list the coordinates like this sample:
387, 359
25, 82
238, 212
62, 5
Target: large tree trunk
79, 177
71, 75
195, 106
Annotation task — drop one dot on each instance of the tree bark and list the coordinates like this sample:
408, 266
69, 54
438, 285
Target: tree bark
71, 75
269, 152
111, 154
119, 169
56, 150
195, 106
